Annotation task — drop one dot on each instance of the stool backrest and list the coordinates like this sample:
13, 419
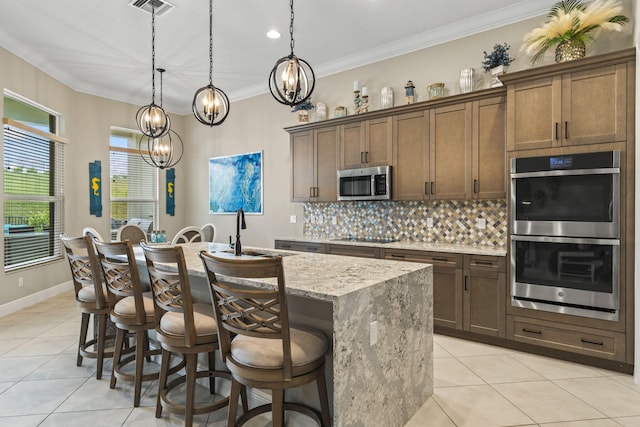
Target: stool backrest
118, 263
209, 232
170, 286
257, 311
85, 268
131, 232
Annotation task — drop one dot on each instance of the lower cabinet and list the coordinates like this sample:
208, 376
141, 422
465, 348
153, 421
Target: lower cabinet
293, 245
468, 290
353, 250
576, 339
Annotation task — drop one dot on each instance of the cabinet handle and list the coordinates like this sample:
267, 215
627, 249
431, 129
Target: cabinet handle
310, 191
531, 331
566, 130
397, 256
285, 246
475, 186
586, 341
486, 263
362, 157
311, 249
466, 283
426, 188
433, 258
317, 191
557, 131
432, 187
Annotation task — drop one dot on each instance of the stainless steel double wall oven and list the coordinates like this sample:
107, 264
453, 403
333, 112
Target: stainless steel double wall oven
565, 231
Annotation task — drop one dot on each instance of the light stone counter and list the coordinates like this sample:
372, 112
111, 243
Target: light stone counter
369, 385
416, 246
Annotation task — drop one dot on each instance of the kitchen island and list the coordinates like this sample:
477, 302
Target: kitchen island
378, 316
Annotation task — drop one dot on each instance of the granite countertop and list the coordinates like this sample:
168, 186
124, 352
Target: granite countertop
416, 246
319, 276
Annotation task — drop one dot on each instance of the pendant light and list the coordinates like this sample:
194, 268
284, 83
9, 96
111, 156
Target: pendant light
292, 79
152, 119
164, 151
210, 104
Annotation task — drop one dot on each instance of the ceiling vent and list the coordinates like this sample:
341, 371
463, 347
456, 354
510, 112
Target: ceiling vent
161, 6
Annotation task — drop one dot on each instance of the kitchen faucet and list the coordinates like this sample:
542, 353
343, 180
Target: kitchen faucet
240, 224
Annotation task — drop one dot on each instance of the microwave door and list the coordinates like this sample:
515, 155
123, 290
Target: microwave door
355, 186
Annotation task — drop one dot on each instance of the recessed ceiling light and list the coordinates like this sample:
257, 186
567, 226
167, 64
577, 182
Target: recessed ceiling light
273, 34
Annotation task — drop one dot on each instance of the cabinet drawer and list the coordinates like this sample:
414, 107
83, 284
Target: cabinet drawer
353, 250
484, 265
438, 259
300, 246
592, 342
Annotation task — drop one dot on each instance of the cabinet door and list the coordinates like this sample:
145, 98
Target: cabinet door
489, 149
410, 156
302, 166
533, 110
450, 152
327, 164
352, 145
353, 250
594, 106
378, 138
447, 297
484, 295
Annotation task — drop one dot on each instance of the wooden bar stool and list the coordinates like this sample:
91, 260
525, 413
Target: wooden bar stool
259, 347
182, 327
91, 298
132, 312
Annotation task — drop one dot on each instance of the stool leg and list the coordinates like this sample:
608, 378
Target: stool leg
243, 396
140, 347
233, 403
192, 360
84, 327
277, 407
117, 354
324, 400
162, 379
102, 332
212, 367
147, 346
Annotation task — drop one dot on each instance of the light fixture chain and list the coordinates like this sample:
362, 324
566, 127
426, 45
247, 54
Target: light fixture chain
211, 42
153, 54
291, 27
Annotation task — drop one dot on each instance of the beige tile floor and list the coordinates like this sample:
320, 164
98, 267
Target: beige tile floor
476, 385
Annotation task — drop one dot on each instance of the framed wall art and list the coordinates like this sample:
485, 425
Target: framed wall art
236, 182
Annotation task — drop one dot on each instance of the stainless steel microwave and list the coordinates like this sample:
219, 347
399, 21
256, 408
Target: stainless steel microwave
365, 183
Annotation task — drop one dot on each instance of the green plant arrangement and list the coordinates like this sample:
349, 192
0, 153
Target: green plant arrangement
306, 105
499, 56
571, 25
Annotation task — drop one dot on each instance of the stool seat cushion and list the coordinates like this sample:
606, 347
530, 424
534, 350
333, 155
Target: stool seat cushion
126, 307
306, 346
172, 323
88, 294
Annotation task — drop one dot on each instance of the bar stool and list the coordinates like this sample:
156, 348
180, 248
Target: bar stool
132, 311
91, 298
182, 327
258, 345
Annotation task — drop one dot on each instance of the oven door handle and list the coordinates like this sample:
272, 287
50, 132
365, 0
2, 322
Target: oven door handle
576, 240
598, 171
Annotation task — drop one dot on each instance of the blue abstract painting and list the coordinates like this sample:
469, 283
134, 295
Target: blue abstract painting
236, 182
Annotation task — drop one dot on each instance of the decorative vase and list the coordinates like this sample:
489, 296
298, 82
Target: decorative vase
303, 116
569, 50
496, 72
321, 111
386, 97
466, 80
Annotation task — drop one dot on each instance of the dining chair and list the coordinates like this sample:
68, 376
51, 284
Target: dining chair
182, 327
209, 232
188, 235
91, 298
259, 346
90, 231
131, 232
132, 312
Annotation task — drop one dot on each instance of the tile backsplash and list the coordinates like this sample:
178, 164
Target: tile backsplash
454, 221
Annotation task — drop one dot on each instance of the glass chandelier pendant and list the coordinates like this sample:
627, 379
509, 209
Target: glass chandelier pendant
152, 119
292, 80
210, 104
161, 151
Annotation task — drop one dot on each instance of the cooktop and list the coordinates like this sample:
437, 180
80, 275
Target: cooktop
366, 239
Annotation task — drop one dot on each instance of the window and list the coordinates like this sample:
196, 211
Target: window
33, 185
134, 184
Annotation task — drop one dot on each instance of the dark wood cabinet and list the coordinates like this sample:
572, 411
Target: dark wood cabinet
314, 162
484, 295
353, 250
366, 143
489, 148
411, 156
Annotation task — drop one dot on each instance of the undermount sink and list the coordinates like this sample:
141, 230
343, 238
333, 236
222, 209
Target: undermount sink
250, 252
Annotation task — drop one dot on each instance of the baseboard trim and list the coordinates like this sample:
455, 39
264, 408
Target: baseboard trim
29, 300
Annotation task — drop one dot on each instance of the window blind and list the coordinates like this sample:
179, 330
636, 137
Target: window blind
134, 190
33, 197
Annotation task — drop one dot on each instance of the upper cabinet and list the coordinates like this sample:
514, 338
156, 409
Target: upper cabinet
569, 104
488, 150
366, 143
411, 156
314, 162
